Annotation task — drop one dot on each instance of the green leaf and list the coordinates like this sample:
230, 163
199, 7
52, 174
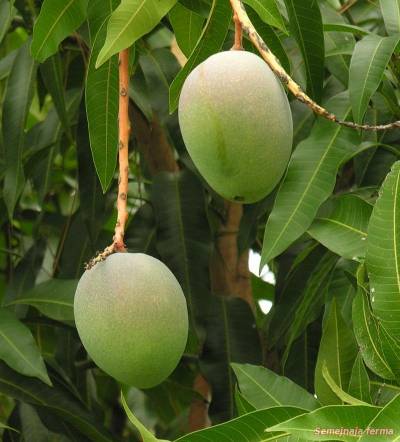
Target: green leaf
242, 406
210, 42
383, 253
309, 181
53, 298
97, 14
311, 426
52, 76
269, 13
340, 393
290, 296
130, 21
57, 20
18, 348
102, 111
306, 26
387, 418
345, 28
344, 230
359, 385
187, 26
33, 428
337, 351
146, 435
57, 402
183, 236
262, 388
370, 58
366, 329
159, 67
7, 12
223, 318
249, 427
17, 100
391, 15
311, 301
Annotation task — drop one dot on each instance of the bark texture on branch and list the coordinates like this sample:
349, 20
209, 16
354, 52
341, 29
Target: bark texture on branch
230, 274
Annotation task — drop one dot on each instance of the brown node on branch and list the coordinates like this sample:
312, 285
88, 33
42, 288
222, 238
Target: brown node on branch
247, 26
118, 244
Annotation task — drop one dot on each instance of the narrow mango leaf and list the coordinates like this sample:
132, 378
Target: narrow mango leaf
130, 21
57, 20
183, 237
337, 351
57, 403
391, 15
33, 428
306, 26
53, 298
147, 436
222, 319
340, 393
7, 12
18, 348
97, 13
344, 230
369, 333
249, 427
286, 304
368, 62
386, 422
269, 12
312, 300
210, 42
360, 385
366, 329
262, 388
309, 181
52, 76
345, 28
383, 253
102, 111
311, 426
187, 26
242, 405
17, 100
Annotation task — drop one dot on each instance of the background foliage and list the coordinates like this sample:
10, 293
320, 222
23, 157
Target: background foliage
327, 354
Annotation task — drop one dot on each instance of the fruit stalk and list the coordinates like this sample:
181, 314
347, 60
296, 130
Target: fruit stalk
118, 244
124, 132
240, 15
238, 34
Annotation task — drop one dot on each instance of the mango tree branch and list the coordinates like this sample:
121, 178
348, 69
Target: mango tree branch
241, 15
118, 244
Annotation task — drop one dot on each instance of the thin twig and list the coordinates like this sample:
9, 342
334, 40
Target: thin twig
293, 87
347, 6
118, 244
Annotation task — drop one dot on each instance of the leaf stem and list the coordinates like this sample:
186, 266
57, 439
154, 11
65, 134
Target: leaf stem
118, 244
241, 15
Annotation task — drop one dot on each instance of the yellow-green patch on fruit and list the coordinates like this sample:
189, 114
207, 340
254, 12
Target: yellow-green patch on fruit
237, 125
132, 318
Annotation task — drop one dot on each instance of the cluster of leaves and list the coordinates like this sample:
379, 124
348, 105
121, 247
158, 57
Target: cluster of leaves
330, 232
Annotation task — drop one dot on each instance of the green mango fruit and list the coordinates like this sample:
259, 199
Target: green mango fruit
237, 125
132, 318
